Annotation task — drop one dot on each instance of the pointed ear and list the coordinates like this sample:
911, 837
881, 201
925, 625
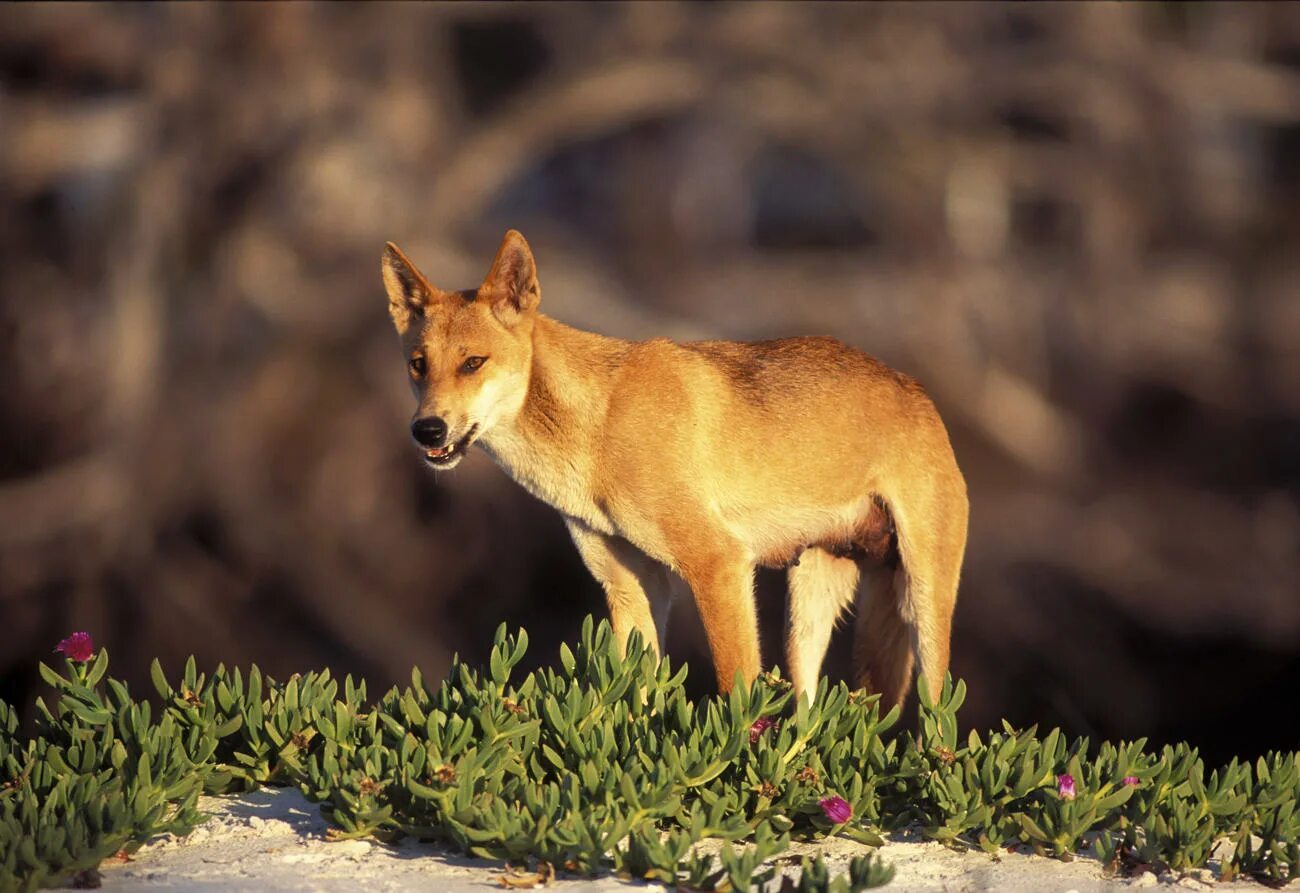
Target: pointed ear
512, 284
408, 291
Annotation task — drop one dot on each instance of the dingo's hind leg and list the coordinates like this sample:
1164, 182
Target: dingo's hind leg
821, 587
882, 640
917, 610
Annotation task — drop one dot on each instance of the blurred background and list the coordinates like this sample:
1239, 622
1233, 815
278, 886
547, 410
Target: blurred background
1077, 225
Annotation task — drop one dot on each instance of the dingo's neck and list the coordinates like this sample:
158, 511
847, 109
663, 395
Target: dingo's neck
549, 446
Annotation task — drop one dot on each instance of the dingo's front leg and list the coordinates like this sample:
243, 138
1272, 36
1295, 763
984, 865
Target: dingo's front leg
637, 588
723, 586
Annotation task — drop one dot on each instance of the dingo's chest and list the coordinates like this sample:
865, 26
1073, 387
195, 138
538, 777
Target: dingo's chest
564, 485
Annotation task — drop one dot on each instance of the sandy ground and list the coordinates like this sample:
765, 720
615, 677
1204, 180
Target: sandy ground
275, 840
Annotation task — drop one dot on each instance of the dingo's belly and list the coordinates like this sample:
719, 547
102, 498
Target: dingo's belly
862, 529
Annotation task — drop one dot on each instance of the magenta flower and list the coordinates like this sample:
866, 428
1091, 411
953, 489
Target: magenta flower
1130, 781
761, 725
78, 647
1065, 786
837, 809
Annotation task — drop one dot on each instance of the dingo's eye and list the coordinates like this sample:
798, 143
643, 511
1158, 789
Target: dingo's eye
472, 364
418, 366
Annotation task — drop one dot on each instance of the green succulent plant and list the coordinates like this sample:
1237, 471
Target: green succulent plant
603, 764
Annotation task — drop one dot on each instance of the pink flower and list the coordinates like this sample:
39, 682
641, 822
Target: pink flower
1065, 786
837, 809
761, 725
1131, 781
78, 647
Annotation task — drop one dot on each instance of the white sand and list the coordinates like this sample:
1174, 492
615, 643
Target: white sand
274, 840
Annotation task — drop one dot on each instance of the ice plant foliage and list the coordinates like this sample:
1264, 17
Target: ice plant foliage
78, 646
837, 809
603, 764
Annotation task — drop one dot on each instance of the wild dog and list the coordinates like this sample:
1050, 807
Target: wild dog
697, 462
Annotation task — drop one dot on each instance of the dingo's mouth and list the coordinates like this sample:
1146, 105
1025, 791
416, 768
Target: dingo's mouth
447, 456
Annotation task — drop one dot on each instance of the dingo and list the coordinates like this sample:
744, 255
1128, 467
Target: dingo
697, 462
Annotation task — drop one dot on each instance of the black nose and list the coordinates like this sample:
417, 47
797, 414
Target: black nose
429, 432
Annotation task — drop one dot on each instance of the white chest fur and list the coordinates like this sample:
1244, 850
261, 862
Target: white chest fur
561, 481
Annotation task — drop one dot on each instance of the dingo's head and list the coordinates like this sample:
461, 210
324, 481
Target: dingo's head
468, 353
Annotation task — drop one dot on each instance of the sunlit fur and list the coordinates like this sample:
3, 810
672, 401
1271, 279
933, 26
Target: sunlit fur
697, 462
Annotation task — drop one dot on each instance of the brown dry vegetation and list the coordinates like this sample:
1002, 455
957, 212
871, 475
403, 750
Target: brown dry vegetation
1078, 225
